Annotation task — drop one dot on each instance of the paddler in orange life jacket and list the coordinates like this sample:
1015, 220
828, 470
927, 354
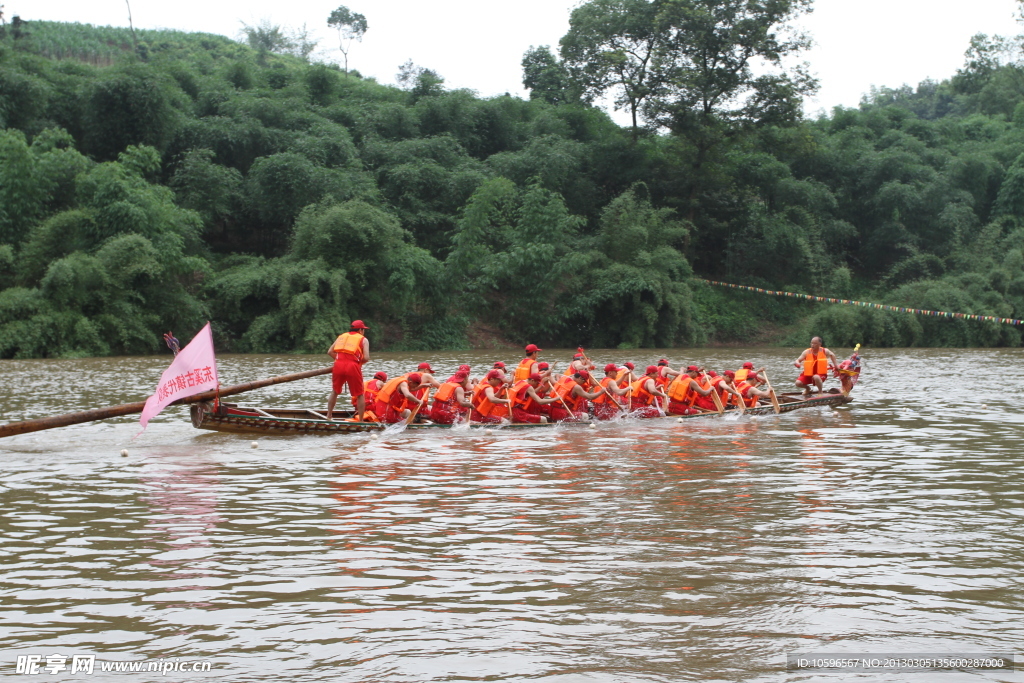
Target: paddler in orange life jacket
487, 405
527, 366
572, 398
645, 394
723, 384
749, 391
527, 404
349, 351
625, 375
426, 382
395, 397
665, 373
741, 374
606, 406
690, 393
451, 402
815, 363
578, 364
370, 390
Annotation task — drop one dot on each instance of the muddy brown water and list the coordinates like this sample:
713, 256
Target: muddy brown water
637, 551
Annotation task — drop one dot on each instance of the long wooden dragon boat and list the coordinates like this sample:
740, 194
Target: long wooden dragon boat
228, 417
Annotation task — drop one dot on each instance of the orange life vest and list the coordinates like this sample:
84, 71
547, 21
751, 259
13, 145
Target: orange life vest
521, 398
623, 377
446, 392
661, 380
605, 397
372, 389
641, 397
525, 369
390, 388
718, 384
679, 389
564, 390
350, 343
815, 365
741, 375
742, 387
485, 407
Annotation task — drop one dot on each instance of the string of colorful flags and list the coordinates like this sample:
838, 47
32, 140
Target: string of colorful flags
865, 304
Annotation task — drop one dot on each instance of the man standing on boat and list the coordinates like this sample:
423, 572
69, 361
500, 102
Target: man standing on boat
815, 362
349, 351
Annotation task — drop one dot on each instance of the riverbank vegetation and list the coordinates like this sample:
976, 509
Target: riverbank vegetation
150, 182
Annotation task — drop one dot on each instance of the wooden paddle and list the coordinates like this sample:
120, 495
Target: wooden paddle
771, 394
426, 399
38, 424
714, 394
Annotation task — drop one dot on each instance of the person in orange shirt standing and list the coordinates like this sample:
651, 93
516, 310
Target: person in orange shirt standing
349, 351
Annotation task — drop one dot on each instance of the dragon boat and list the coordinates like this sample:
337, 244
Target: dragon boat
227, 417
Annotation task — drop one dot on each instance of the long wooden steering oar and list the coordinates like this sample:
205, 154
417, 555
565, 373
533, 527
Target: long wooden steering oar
38, 424
771, 394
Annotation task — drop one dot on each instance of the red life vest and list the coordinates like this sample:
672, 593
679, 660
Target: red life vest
521, 398
564, 390
386, 392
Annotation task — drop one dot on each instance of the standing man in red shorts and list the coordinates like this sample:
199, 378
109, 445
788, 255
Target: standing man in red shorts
349, 351
816, 362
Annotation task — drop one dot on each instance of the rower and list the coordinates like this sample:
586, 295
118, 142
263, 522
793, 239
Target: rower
625, 375
572, 398
605, 405
723, 384
578, 364
665, 373
816, 362
349, 351
487, 406
689, 395
749, 391
428, 380
526, 365
645, 394
527, 404
396, 396
741, 374
370, 391
451, 402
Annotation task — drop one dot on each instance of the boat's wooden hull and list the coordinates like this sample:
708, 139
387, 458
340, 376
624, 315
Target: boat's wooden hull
239, 420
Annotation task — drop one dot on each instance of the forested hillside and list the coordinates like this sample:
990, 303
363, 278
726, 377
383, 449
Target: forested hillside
150, 183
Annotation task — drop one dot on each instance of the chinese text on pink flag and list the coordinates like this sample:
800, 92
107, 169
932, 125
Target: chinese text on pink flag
193, 371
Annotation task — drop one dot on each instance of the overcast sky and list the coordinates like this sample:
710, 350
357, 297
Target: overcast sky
478, 44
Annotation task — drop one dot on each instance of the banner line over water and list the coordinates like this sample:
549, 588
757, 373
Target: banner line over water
865, 304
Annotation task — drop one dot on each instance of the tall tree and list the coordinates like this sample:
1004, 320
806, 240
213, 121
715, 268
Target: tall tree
350, 26
610, 45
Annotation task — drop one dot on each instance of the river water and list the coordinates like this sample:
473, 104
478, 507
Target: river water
642, 551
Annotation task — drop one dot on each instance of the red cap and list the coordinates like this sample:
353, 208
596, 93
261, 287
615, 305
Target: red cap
536, 377
383, 376
692, 368
578, 355
493, 374
729, 373
712, 373
425, 366
359, 325
500, 364
752, 375
583, 374
651, 370
748, 366
663, 362
459, 377
630, 365
532, 348
611, 367
543, 366
415, 378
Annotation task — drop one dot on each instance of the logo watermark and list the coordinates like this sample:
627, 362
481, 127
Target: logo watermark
88, 664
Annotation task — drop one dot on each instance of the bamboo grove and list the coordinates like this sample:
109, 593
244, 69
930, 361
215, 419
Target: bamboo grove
151, 182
